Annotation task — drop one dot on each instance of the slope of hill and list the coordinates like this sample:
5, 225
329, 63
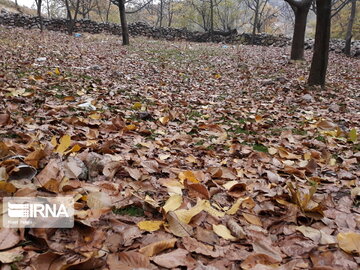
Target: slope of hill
11, 7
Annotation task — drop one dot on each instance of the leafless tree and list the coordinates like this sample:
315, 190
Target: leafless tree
122, 11
38, 9
72, 10
258, 8
336, 6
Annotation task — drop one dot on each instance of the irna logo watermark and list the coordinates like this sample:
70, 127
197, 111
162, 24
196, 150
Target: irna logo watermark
38, 212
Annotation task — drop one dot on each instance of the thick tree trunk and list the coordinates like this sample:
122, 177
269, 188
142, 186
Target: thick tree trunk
347, 49
124, 26
297, 46
321, 48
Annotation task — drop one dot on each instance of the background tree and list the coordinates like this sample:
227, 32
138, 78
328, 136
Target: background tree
336, 6
301, 10
72, 10
86, 6
124, 27
258, 7
347, 49
320, 58
122, 11
38, 10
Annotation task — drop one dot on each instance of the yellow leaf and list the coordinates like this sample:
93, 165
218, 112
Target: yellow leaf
65, 142
69, 98
150, 225
185, 216
212, 211
7, 187
95, 116
252, 219
157, 247
307, 156
188, 175
137, 106
173, 203
223, 232
191, 159
217, 76
235, 207
353, 135
164, 120
57, 71
131, 127
349, 242
75, 148
151, 201
54, 141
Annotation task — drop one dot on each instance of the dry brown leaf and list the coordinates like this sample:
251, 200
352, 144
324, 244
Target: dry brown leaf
177, 227
128, 260
8, 238
253, 219
11, 255
235, 229
198, 190
134, 173
172, 259
257, 259
316, 235
262, 247
157, 247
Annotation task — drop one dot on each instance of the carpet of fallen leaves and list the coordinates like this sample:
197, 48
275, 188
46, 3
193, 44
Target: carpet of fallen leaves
178, 155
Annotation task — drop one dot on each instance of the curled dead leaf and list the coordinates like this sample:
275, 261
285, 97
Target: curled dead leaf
157, 247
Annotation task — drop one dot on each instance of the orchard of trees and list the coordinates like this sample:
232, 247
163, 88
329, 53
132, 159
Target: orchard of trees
209, 15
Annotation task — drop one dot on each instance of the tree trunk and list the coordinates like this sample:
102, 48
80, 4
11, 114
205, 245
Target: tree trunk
321, 48
256, 18
108, 12
48, 9
38, 6
124, 26
297, 46
212, 20
161, 12
347, 49
72, 20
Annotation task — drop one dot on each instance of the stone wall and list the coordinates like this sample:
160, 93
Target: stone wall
168, 33
137, 29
